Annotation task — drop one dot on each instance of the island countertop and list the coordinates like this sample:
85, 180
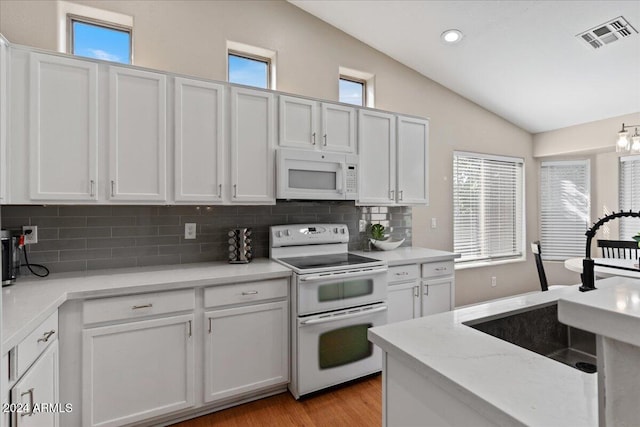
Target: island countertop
506, 383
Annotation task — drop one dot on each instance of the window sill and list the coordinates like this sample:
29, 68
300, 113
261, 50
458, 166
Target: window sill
476, 264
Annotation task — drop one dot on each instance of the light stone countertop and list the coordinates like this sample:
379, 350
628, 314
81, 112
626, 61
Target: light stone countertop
31, 300
506, 383
409, 255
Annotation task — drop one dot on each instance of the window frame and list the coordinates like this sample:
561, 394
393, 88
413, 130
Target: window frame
586, 163
71, 18
362, 82
253, 57
519, 206
627, 223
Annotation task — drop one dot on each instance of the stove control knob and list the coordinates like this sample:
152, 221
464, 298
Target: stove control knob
278, 233
335, 230
342, 230
287, 232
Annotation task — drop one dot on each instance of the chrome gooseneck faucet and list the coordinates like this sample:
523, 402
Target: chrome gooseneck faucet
588, 279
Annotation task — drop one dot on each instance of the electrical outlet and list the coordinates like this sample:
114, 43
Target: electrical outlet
434, 223
362, 225
30, 234
494, 281
190, 230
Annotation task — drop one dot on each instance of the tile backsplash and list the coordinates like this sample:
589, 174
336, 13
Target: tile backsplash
79, 238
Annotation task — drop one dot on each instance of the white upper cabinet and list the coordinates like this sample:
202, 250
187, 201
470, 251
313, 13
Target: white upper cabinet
137, 135
252, 148
199, 140
63, 132
377, 147
413, 161
309, 124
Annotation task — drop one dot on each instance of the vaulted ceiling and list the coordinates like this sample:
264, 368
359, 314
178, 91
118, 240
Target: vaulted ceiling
523, 60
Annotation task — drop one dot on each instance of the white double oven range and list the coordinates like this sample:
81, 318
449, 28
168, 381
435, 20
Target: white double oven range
336, 297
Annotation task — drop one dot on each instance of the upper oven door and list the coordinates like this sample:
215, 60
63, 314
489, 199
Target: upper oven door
315, 175
317, 293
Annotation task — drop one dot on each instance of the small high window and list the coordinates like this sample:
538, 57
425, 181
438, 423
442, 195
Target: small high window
353, 91
249, 70
100, 40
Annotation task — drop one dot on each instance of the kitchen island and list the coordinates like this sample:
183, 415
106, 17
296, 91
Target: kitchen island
439, 371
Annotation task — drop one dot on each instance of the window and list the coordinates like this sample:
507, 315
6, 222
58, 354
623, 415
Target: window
629, 195
352, 91
564, 208
356, 87
247, 70
251, 65
488, 208
100, 40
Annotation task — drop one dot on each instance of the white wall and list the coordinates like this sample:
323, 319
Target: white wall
190, 37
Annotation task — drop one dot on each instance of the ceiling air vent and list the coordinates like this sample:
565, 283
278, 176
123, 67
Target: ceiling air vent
607, 33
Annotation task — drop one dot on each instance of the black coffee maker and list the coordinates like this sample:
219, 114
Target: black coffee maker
10, 257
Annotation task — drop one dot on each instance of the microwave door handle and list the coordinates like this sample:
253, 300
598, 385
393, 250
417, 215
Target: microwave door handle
342, 275
334, 318
342, 182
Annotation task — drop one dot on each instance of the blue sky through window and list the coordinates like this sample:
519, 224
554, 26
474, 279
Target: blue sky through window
94, 41
247, 71
351, 92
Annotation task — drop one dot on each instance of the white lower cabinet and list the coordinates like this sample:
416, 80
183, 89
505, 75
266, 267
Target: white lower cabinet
137, 370
415, 292
35, 395
246, 349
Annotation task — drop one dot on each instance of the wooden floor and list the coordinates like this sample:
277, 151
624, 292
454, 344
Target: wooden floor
356, 404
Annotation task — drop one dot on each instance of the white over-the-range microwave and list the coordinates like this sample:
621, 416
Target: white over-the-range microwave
316, 175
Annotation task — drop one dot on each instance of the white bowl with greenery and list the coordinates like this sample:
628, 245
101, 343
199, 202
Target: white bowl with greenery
386, 245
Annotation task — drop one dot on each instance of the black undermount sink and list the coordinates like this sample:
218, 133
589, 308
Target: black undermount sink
539, 330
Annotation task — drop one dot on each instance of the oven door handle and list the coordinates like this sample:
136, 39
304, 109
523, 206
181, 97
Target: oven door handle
342, 275
344, 316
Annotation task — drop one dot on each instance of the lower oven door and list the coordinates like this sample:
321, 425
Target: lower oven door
318, 293
333, 348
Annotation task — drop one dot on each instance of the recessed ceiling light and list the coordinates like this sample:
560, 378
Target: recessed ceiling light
451, 36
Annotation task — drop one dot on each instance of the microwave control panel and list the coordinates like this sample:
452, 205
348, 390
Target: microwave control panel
352, 179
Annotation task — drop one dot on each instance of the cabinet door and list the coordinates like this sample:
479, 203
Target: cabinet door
39, 385
338, 128
198, 141
246, 349
63, 130
404, 301
437, 296
377, 148
252, 152
298, 122
137, 135
4, 101
413, 161
137, 370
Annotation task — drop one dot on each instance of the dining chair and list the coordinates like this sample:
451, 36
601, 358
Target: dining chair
537, 253
625, 249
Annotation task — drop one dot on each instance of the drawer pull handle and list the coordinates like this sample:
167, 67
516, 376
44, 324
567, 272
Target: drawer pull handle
46, 336
138, 307
30, 393
250, 293
404, 273
441, 269
190, 328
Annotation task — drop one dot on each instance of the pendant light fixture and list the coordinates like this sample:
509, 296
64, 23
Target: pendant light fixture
626, 144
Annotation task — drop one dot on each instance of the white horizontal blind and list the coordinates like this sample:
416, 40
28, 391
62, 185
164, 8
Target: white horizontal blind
629, 194
487, 207
564, 208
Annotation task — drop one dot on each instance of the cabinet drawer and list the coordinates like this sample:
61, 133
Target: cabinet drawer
434, 269
403, 273
135, 306
33, 345
245, 292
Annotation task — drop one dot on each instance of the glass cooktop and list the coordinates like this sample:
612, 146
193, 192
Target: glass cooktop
326, 261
